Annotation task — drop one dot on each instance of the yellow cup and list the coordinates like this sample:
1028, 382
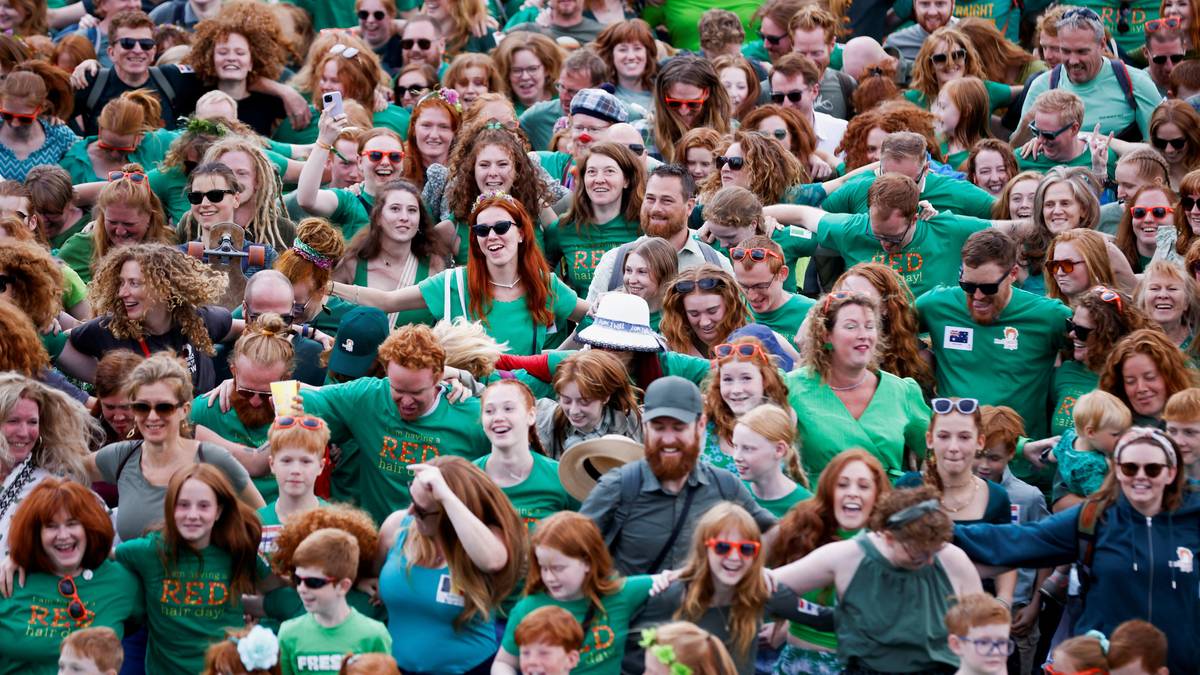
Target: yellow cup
282, 394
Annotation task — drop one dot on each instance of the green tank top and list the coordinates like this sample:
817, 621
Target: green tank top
890, 619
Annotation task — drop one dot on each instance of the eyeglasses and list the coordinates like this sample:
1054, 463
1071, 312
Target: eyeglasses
989, 646
956, 55
346, 51
527, 70
115, 148
304, 422
1188, 203
314, 583
1048, 135
163, 408
1067, 266
23, 118
944, 406
739, 253
395, 156
251, 393
636, 148
688, 103
1155, 25
1161, 59
412, 90
135, 176
893, 239
213, 196
685, 286
746, 349
145, 44
378, 14
724, 547
1081, 332
772, 39
67, 588
735, 163
564, 90
500, 227
1156, 211
5, 280
777, 97
777, 134
1130, 469
1108, 295
970, 287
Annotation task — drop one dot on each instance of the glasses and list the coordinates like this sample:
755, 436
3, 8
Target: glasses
893, 239
1155, 25
1156, 211
989, 646
971, 287
777, 97
288, 319
772, 39
144, 44
746, 349
686, 103
836, 295
1188, 203
945, 406
378, 15
777, 134
313, 583
1067, 266
23, 118
1048, 135
142, 408
135, 176
5, 281
68, 589
735, 163
304, 422
723, 547
739, 253
345, 51
500, 227
115, 148
1081, 332
686, 286
395, 156
1162, 143
412, 90
422, 43
564, 90
213, 196
1082, 13
1161, 59
1130, 469
957, 55
251, 393
636, 148
1108, 295
527, 70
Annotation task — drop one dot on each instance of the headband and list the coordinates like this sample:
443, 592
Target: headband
498, 194
450, 96
905, 516
1154, 436
311, 254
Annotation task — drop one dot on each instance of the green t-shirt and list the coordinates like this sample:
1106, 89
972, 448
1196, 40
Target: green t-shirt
1072, 379
187, 607
1106, 102
400, 318
77, 163
682, 18
1042, 163
944, 193
170, 186
271, 525
797, 244
607, 628
34, 621
999, 95
74, 287
57, 241
540, 495
326, 14
363, 409
538, 123
392, 117
509, 321
227, 425
787, 319
574, 250
353, 210
306, 646
77, 252
929, 260
1004, 13
779, 507
1007, 362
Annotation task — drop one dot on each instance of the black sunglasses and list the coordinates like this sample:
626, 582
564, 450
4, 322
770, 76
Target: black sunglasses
1162, 143
793, 96
423, 43
5, 280
1130, 469
772, 39
379, 14
1161, 59
971, 287
735, 163
1048, 135
287, 318
146, 44
312, 582
214, 196
163, 408
636, 148
500, 227
1081, 332
706, 284
943, 406
1187, 203
957, 55
412, 90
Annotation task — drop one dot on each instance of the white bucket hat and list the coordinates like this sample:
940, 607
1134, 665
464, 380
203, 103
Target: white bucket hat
622, 323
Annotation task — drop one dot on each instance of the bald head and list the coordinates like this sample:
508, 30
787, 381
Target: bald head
623, 134
268, 291
861, 53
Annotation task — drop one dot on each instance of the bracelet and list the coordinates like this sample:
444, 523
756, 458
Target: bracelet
327, 147
305, 330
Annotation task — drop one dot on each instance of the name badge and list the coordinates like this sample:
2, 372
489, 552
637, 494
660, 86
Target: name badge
446, 594
962, 339
799, 232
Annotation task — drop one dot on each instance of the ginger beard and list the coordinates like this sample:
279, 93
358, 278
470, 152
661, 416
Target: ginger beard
250, 416
674, 465
653, 226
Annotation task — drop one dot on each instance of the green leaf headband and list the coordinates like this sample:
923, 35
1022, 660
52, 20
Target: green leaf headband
664, 653
196, 125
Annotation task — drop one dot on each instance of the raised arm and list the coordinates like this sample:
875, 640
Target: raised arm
815, 570
482, 544
309, 195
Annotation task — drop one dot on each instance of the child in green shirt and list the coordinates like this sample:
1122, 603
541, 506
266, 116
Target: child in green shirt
297, 456
1083, 453
91, 651
764, 453
548, 640
326, 564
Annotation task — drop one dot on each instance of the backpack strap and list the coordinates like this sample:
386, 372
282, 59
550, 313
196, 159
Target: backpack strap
98, 89
160, 78
179, 15
1055, 76
727, 484
631, 484
710, 254
133, 447
1085, 531
618, 271
1121, 72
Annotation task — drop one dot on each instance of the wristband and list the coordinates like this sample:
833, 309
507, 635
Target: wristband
327, 147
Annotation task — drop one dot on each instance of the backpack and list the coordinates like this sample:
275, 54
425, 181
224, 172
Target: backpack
1131, 133
1090, 514
618, 271
156, 74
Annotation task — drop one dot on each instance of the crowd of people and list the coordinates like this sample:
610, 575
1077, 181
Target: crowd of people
732, 337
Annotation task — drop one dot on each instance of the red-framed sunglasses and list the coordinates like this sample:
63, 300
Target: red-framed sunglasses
689, 103
23, 118
115, 148
724, 547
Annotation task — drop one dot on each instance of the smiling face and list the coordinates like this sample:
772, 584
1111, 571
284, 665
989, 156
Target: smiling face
854, 496
1082, 318
854, 336
603, 180
407, 80
1144, 385
734, 81
506, 416
527, 77
137, 299
1145, 229
1077, 281
243, 169
540, 658
65, 542
704, 312
1062, 148
741, 386
1060, 209
763, 289
1165, 298
700, 163
132, 64
875, 138
562, 575
665, 207
22, 428
499, 249
125, 224
1081, 54
1143, 492
729, 570
158, 427
955, 65
583, 413
11, 16
231, 58
954, 440
638, 279
1181, 9
1020, 198
375, 174
985, 308
932, 14
329, 80
629, 60
755, 456
586, 130
345, 169
196, 511
376, 25
474, 81
400, 219
494, 170
1187, 438
945, 114
435, 132
990, 172
207, 212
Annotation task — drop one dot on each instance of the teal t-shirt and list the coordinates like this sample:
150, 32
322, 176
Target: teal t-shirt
943, 192
574, 250
779, 507
392, 117
1106, 102
787, 319
540, 495
229, 426
306, 646
1004, 13
327, 14
1072, 379
1042, 163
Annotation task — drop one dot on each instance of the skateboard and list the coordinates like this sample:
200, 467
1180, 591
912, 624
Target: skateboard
224, 251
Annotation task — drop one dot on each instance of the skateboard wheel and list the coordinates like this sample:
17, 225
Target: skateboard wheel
256, 256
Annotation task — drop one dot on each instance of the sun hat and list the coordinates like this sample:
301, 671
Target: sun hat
582, 465
622, 323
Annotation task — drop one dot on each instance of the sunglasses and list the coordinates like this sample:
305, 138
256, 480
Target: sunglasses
412, 90
5, 280
1156, 211
213, 196
313, 583
1109, 295
1162, 143
378, 15
251, 393
735, 163
1081, 332
1130, 469
1067, 266
500, 227
1162, 59
777, 97
829, 298
772, 39
723, 547
739, 253
1048, 135
686, 286
687, 103
135, 176
395, 156
636, 148
748, 350
1155, 25
1188, 203
345, 51
288, 319
23, 118
945, 406
777, 134
67, 588
956, 55
422, 43
970, 287
305, 422
142, 409
115, 148
145, 44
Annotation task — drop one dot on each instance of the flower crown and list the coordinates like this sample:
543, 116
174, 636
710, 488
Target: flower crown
498, 194
258, 649
664, 653
448, 95
196, 125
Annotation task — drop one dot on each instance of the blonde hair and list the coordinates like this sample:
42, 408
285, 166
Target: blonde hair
67, 431
695, 648
268, 205
1099, 409
777, 426
468, 346
1068, 106
164, 368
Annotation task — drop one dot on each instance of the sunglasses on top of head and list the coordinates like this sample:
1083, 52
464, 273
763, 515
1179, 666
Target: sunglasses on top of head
686, 286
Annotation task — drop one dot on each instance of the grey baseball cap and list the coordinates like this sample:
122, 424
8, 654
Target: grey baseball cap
674, 397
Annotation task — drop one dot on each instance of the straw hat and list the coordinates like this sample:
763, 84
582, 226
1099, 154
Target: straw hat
582, 465
622, 323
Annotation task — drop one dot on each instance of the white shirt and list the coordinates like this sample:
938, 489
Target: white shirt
829, 131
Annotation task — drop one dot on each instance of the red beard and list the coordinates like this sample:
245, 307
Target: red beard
663, 231
251, 417
675, 465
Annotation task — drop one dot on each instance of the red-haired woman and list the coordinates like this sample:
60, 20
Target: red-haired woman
507, 283
61, 536
630, 52
435, 120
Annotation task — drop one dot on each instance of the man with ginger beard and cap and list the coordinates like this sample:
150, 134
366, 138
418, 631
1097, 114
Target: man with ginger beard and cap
993, 342
647, 509
670, 197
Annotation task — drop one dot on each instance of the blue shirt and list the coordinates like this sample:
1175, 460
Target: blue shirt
59, 139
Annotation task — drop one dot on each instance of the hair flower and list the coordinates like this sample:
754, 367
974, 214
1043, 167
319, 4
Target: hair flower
497, 194
258, 649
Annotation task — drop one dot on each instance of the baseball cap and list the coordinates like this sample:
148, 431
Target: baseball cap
675, 397
359, 335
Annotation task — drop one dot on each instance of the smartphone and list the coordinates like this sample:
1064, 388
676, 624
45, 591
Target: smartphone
333, 102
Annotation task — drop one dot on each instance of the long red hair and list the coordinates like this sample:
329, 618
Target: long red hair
532, 268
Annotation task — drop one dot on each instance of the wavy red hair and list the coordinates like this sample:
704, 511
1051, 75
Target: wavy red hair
40, 506
532, 268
